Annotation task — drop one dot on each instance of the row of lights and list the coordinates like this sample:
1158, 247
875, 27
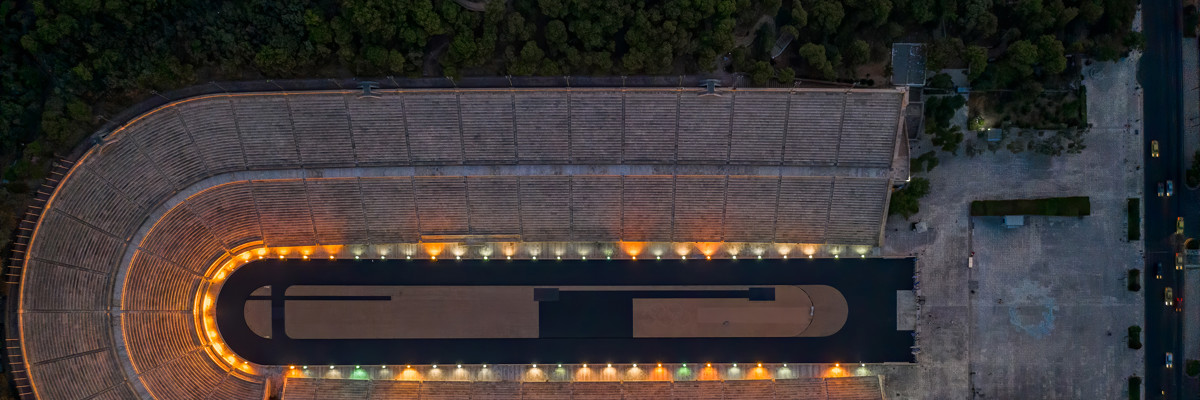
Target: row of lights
633, 249
609, 365
582, 258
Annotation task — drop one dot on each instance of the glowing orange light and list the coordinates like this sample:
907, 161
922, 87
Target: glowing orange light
708, 248
434, 249
633, 248
759, 373
409, 374
660, 374
708, 373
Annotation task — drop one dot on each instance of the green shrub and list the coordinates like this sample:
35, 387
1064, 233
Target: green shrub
1135, 337
1134, 218
1193, 174
1193, 367
1135, 284
1135, 388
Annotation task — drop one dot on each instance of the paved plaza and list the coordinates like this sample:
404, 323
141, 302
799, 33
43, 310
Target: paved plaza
1043, 313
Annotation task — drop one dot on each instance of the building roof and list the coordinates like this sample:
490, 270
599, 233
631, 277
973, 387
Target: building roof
908, 64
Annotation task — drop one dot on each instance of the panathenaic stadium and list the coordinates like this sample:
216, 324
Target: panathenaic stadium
120, 270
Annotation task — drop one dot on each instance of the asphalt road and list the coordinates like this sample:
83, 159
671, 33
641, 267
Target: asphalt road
869, 334
1161, 76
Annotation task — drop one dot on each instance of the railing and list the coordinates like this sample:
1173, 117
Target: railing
13, 270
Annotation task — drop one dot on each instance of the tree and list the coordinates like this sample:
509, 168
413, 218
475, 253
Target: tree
976, 62
940, 53
978, 18
786, 76
1050, 54
762, 73
874, 11
907, 201
926, 162
528, 61
556, 34
921, 10
553, 8
1135, 40
941, 81
814, 54
799, 16
827, 16
1022, 55
858, 52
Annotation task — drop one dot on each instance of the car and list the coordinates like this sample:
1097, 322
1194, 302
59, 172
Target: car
1179, 225
1170, 360
1158, 270
1160, 189
1170, 188
1154, 148
1169, 296
1178, 304
1178, 260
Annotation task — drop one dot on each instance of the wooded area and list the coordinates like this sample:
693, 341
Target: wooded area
65, 64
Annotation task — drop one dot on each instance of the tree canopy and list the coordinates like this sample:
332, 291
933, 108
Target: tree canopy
64, 64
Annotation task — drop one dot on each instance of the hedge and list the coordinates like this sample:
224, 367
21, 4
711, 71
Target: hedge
1135, 388
1054, 206
1135, 219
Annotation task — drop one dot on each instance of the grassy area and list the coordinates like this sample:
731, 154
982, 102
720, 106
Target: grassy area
1054, 206
1134, 211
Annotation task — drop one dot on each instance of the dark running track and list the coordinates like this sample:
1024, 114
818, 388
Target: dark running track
869, 335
